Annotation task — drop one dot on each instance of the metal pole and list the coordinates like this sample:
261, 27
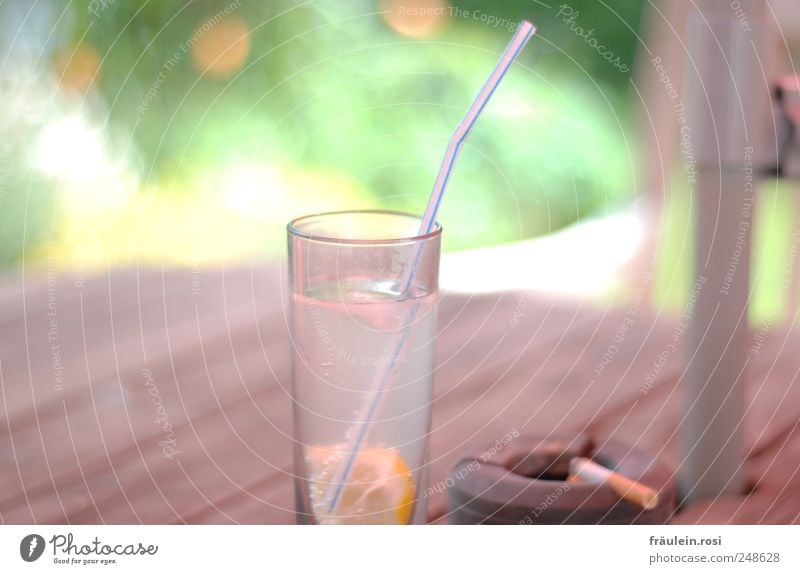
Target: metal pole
726, 136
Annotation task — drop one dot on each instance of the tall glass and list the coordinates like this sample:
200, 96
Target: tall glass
358, 317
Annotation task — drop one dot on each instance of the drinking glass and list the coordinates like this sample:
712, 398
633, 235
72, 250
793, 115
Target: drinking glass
363, 289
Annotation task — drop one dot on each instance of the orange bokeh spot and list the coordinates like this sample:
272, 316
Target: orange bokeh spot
415, 18
77, 67
221, 49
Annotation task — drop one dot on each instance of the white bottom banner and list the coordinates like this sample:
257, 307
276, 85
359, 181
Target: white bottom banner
404, 550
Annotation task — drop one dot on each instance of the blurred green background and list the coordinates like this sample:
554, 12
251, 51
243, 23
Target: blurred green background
188, 132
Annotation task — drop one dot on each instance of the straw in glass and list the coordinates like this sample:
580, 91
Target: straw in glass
357, 433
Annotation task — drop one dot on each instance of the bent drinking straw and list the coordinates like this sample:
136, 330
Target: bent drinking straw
357, 432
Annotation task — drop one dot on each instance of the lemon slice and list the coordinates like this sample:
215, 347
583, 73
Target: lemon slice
379, 488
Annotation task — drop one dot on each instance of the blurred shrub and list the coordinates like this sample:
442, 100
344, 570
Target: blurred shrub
187, 93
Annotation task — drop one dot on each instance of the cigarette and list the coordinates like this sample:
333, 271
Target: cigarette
632, 491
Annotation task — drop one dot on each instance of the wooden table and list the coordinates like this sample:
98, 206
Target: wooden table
161, 396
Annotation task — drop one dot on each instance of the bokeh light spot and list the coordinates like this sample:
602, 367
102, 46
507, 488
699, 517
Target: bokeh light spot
416, 18
77, 67
221, 49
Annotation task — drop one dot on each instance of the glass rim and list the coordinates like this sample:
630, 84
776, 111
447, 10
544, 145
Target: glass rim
293, 228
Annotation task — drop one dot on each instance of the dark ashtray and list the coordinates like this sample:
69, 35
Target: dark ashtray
525, 482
